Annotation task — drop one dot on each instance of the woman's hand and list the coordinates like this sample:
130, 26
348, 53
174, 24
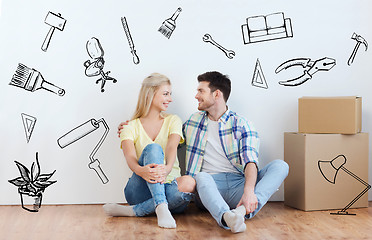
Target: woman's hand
153, 173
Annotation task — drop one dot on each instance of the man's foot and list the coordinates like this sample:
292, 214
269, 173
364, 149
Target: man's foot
116, 210
234, 221
165, 219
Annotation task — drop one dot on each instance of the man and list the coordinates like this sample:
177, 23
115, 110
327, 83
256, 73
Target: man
222, 155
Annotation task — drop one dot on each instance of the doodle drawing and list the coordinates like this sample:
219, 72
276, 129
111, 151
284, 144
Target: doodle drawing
80, 132
258, 79
169, 25
95, 68
28, 124
130, 40
31, 185
360, 40
32, 80
311, 67
208, 39
54, 21
264, 28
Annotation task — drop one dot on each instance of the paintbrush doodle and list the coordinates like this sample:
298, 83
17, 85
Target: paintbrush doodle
264, 28
360, 40
130, 40
28, 124
310, 68
31, 185
55, 21
258, 79
32, 80
208, 39
169, 25
80, 132
95, 68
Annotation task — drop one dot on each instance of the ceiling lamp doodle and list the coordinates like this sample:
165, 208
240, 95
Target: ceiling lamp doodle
28, 124
311, 67
95, 68
258, 79
130, 40
32, 80
169, 25
264, 28
31, 185
360, 40
80, 132
55, 21
208, 39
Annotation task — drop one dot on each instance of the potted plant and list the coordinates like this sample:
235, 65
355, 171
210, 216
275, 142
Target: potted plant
31, 185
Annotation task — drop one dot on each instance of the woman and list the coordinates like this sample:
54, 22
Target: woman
149, 142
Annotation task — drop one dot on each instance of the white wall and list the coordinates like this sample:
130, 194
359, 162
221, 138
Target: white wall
320, 29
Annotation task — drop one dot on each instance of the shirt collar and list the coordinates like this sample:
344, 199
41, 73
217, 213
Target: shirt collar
224, 118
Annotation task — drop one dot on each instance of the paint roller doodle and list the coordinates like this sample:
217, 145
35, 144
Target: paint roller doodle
32, 80
54, 21
80, 132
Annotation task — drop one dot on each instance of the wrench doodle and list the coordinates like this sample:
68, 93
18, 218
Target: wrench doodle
208, 39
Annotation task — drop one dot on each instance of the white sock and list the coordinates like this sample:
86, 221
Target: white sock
235, 221
164, 216
240, 210
116, 210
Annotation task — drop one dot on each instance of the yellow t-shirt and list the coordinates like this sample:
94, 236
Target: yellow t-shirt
134, 131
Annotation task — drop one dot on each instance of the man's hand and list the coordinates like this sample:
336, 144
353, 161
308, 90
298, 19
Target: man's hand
249, 200
121, 126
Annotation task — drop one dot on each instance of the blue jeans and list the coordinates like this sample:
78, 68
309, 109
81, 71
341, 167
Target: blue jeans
219, 193
146, 196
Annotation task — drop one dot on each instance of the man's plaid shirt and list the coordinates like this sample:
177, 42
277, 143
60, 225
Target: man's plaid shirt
239, 139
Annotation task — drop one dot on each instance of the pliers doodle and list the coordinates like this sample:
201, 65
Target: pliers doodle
311, 67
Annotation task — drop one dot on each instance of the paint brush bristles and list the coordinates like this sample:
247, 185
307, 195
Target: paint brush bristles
21, 76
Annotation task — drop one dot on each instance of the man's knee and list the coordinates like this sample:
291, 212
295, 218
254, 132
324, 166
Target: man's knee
203, 179
281, 166
186, 184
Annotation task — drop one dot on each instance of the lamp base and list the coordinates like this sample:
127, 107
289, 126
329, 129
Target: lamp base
343, 213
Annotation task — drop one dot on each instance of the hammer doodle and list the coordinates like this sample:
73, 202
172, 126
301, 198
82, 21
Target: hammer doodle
310, 68
360, 40
95, 68
31, 185
130, 40
32, 80
28, 124
55, 21
258, 79
208, 39
169, 25
265, 28
80, 132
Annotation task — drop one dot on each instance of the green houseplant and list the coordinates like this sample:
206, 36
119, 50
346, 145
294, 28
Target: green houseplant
31, 185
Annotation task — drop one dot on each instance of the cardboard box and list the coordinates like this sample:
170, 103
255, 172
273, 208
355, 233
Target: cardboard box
307, 187
330, 115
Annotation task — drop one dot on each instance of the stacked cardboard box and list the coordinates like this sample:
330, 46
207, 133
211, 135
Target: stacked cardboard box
328, 147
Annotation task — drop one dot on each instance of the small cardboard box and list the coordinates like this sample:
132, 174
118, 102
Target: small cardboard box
330, 115
309, 185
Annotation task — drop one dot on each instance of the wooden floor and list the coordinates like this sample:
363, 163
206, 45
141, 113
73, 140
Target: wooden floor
274, 221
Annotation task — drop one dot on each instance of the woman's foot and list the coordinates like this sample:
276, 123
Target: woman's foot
116, 210
165, 219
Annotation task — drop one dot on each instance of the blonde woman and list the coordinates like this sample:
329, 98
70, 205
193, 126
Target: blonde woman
149, 142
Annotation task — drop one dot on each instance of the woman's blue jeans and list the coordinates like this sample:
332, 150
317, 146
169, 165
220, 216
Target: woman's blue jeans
146, 196
219, 193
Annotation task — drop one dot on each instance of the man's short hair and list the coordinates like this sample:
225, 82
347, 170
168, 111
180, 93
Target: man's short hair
216, 81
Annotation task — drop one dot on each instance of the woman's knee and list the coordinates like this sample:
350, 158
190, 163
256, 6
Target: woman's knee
186, 184
153, 154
